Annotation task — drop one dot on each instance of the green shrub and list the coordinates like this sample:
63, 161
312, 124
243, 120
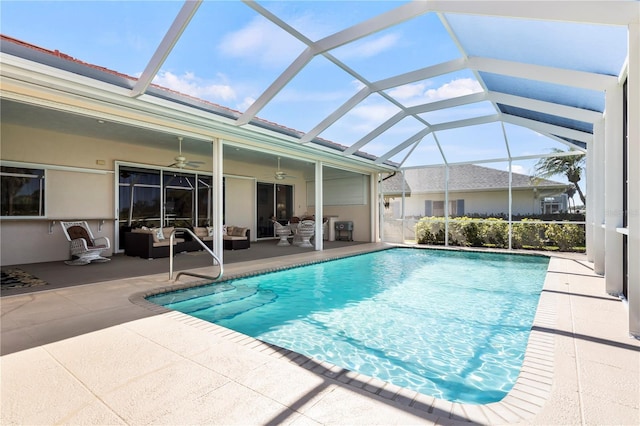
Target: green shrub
528, 232
473, 233
430, 230
495, 232
565, 236
457, 236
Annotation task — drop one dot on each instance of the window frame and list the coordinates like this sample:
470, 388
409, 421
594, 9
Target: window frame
42, 207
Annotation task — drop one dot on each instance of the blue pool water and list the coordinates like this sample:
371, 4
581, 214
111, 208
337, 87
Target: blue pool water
453, 325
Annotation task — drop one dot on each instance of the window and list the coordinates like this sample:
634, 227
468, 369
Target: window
551, 205
140, 196
22, 191
436, 208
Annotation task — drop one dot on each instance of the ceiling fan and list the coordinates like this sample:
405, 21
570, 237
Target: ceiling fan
181, 161
280, 174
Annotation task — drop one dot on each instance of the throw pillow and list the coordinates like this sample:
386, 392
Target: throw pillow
76, 232
154, 233
167, 232
238, 231
209, 231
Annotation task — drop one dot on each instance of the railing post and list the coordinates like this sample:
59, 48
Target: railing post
203, 245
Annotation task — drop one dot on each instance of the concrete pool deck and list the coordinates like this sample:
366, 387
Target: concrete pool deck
99, 354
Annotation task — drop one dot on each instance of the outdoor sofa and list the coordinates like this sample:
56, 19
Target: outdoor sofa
151, 243
233, 237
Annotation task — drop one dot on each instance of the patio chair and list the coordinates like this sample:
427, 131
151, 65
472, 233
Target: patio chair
282, 231
306, 230
84, 247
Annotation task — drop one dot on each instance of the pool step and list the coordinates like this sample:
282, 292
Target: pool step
236, 307
168, 299
192, 306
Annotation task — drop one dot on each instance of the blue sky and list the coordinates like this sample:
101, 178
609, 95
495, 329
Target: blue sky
230, 54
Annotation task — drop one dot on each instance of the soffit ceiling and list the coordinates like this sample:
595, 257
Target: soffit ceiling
497, 71
23, 114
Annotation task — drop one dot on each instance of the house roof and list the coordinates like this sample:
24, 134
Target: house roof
463, 178
535, 65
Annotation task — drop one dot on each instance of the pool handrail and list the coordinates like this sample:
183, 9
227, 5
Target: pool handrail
204, 246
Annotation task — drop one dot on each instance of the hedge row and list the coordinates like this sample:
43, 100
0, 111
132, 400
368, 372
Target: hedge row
527, 233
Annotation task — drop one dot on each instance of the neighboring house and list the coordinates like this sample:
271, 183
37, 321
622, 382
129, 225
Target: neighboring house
473, 190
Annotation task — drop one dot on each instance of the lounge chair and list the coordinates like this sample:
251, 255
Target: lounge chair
84, 247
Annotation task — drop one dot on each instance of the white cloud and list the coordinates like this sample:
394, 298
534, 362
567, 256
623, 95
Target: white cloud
263, 42
368, 48
246, 103
358, 84
420, 93
311, 96
377, 45
408, 91
374, 112
365, 118
453, 89
516, 168
189, 84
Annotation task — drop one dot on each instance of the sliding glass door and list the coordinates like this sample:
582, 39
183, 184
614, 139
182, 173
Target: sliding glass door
153, 198
273, 200
179, 199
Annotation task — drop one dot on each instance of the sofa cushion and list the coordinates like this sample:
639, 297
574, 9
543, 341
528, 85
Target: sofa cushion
200, 231
142, 231
163, 243
238, 231
76, 232
166, 242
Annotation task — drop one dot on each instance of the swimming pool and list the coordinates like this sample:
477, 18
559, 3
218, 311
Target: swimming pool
453, 325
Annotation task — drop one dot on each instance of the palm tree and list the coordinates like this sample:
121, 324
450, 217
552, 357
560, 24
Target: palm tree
571, 191
570, 166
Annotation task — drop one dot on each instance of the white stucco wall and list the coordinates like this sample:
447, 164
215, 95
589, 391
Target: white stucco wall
483, 203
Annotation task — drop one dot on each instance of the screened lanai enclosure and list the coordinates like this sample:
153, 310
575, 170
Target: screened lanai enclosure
442, 109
